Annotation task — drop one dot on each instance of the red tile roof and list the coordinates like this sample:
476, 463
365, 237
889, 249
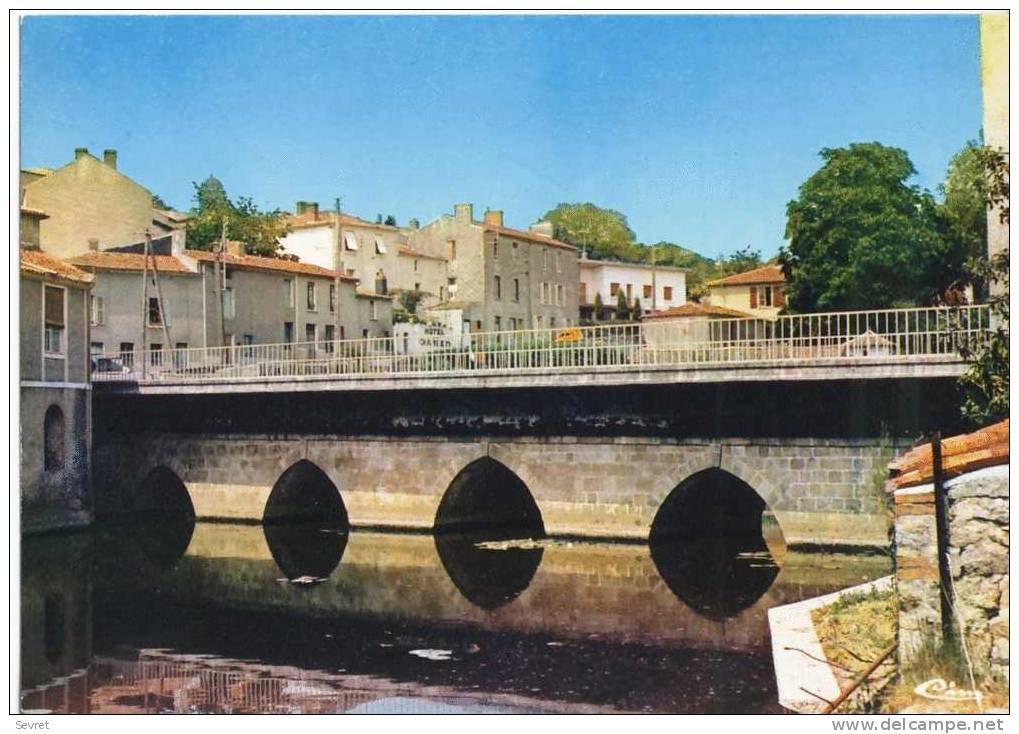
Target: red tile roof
41, 263
688, 310
518, 234
275, 264
766, 274
959, 454
100, 260
325, 219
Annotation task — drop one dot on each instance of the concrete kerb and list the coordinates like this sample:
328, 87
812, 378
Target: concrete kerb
800, 664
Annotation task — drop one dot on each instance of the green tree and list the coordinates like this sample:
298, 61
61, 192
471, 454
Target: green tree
409, 300
603, 233
637, 310
966, 193
985, 384
260, 231
158, 203
390, 220
598, 306
622, 307
861, 237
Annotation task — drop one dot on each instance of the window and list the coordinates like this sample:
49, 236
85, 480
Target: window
332, 297
97, 310
667, 293
155, 313
330, 337
288, 293
497, 323
629, 292
53, 442
613, 289
288, 332
558, 264
648, 292
53, 318
350, 241
248, 339
551, 322
495, 250
417, 286
516, 290
180, 356
95, 348
544, 259
451, 250
310, 333
374, 309
312, 296
498, 288
229, 305
156, 355
415, 266
761, 296
583, 293
364, 333
380, 246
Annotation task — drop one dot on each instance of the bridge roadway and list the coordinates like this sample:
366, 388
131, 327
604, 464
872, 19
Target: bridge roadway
895, 367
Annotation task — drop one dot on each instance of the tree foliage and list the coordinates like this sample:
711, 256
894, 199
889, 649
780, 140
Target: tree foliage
860, 236
622, 307
260, 231
985, 385
603, 233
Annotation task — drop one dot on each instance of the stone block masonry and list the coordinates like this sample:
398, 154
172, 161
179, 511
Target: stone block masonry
978, 550
821, 491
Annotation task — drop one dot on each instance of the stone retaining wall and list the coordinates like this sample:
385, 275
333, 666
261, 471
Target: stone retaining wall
978, 553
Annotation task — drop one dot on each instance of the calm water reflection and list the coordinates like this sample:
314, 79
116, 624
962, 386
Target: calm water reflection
237, 618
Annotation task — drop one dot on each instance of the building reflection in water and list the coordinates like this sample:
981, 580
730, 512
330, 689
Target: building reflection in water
306, 550
487, 572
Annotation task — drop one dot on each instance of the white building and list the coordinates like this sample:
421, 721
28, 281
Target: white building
658, 287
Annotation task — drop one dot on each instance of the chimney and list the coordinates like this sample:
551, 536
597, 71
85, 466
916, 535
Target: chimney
93, 243
80, 153
110, 158
414, 224
493, 218
464, 213
381, 286
308, 207
544, 228
233, 247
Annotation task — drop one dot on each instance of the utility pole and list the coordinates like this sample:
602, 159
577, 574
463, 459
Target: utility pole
654, 281
338, 269
218, 275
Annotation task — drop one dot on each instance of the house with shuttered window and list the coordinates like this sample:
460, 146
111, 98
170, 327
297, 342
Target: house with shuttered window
759, 292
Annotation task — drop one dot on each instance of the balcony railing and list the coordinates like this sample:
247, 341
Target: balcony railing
893, 334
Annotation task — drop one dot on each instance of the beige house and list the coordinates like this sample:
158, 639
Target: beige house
689, 324
54, 393
757, 292
501, 278
994, 78
89, 204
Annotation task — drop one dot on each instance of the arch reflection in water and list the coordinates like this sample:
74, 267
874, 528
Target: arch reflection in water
708, 544
485, 509
305, 523
164, 519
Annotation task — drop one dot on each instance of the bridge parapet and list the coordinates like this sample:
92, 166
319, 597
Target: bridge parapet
885, 343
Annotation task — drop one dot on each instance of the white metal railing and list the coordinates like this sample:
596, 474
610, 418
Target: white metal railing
891, 333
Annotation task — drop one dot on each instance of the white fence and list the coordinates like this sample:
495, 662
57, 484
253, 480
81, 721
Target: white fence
888, 334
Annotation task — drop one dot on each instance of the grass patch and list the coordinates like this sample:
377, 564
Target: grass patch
854, 631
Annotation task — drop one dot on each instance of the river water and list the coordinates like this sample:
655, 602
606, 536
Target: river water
214, 617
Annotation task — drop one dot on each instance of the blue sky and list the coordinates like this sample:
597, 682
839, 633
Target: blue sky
699, 129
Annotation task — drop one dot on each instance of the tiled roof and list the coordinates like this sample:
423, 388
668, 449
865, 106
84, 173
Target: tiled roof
766, 274
275, 264
37, 213
698, 309
325, 219
41, 263
959, 454
519, 234
100, 260
411, 252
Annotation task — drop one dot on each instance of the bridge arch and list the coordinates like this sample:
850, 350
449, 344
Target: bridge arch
163, 494
305, 493
487, 496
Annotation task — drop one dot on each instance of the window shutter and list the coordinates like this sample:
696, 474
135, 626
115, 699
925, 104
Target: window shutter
54, 306
753, 296
779, 298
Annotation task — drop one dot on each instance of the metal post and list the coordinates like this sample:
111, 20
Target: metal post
941, 523
145, 302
